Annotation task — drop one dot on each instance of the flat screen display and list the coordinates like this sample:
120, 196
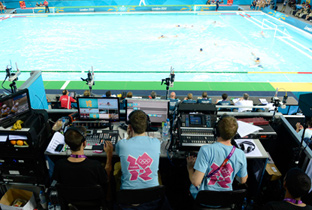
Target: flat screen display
195, 120
14, 105
157, 110
97, 108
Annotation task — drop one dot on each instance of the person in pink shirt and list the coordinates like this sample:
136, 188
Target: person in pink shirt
66, 100
46, 3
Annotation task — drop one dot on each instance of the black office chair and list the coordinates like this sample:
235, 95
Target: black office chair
148, 199
225, 200
81, 197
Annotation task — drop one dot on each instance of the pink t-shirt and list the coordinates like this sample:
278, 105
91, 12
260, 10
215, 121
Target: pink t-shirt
45, 3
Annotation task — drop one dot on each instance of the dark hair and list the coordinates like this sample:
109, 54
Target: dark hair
138, 121
297, 182
74, 139
224, 96
108, 93
153, 94
64, 92
245, 96
129, 95
204, 95
227, 127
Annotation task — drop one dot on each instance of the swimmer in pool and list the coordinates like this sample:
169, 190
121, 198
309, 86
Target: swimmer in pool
257, 61
201, 50
163, 36
262, 34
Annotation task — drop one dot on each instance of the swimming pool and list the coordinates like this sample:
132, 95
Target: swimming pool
127, 47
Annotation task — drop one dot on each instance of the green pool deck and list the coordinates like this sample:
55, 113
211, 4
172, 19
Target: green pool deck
178, 86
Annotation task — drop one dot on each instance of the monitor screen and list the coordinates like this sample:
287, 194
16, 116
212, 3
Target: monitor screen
97, 108
157, 110
14, 105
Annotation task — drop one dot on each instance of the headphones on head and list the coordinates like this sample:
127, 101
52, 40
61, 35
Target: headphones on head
78, 130
148, 120
247, 146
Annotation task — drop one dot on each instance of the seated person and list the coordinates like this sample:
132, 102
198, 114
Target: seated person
307, 132
66, 100
309, 16
139, 155
37, 4
189, 99
298, 12
107, 94
203, 170
304, 13
296, 184
173, 102
204, 99
1, 7
77, 169
86, 93
41, 5
224, 102
244, 102
153, 95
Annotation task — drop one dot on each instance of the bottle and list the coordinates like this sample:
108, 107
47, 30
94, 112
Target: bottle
250, 205
50, 206
43, 200
168, 128
165, 132
244, 206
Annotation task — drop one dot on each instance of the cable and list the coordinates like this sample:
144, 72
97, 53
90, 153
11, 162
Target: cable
3, 84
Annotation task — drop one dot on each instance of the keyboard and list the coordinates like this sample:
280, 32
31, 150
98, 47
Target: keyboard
94, 138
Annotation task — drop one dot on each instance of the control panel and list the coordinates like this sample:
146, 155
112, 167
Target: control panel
198, 120
92, 124
95, 136
195, 137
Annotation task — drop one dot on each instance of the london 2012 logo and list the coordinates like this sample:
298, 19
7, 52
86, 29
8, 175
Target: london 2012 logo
140, 168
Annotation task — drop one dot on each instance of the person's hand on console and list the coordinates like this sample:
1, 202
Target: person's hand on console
190, 160
108, 147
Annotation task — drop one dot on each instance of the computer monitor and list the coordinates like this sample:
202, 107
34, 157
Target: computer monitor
98, 108
157, 110
14, 106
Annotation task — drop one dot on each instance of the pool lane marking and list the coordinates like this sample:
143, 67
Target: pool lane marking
65, 85
295, 47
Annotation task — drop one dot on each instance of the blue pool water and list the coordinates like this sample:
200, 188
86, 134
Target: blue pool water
131, 42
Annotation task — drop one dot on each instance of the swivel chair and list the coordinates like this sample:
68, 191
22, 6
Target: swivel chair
152, 198
81, 197
225, 200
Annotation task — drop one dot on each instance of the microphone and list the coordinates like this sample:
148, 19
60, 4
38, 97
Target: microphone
285, 98
14, 76
276, 92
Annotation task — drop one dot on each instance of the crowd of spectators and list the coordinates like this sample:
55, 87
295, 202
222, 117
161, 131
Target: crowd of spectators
298, 10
